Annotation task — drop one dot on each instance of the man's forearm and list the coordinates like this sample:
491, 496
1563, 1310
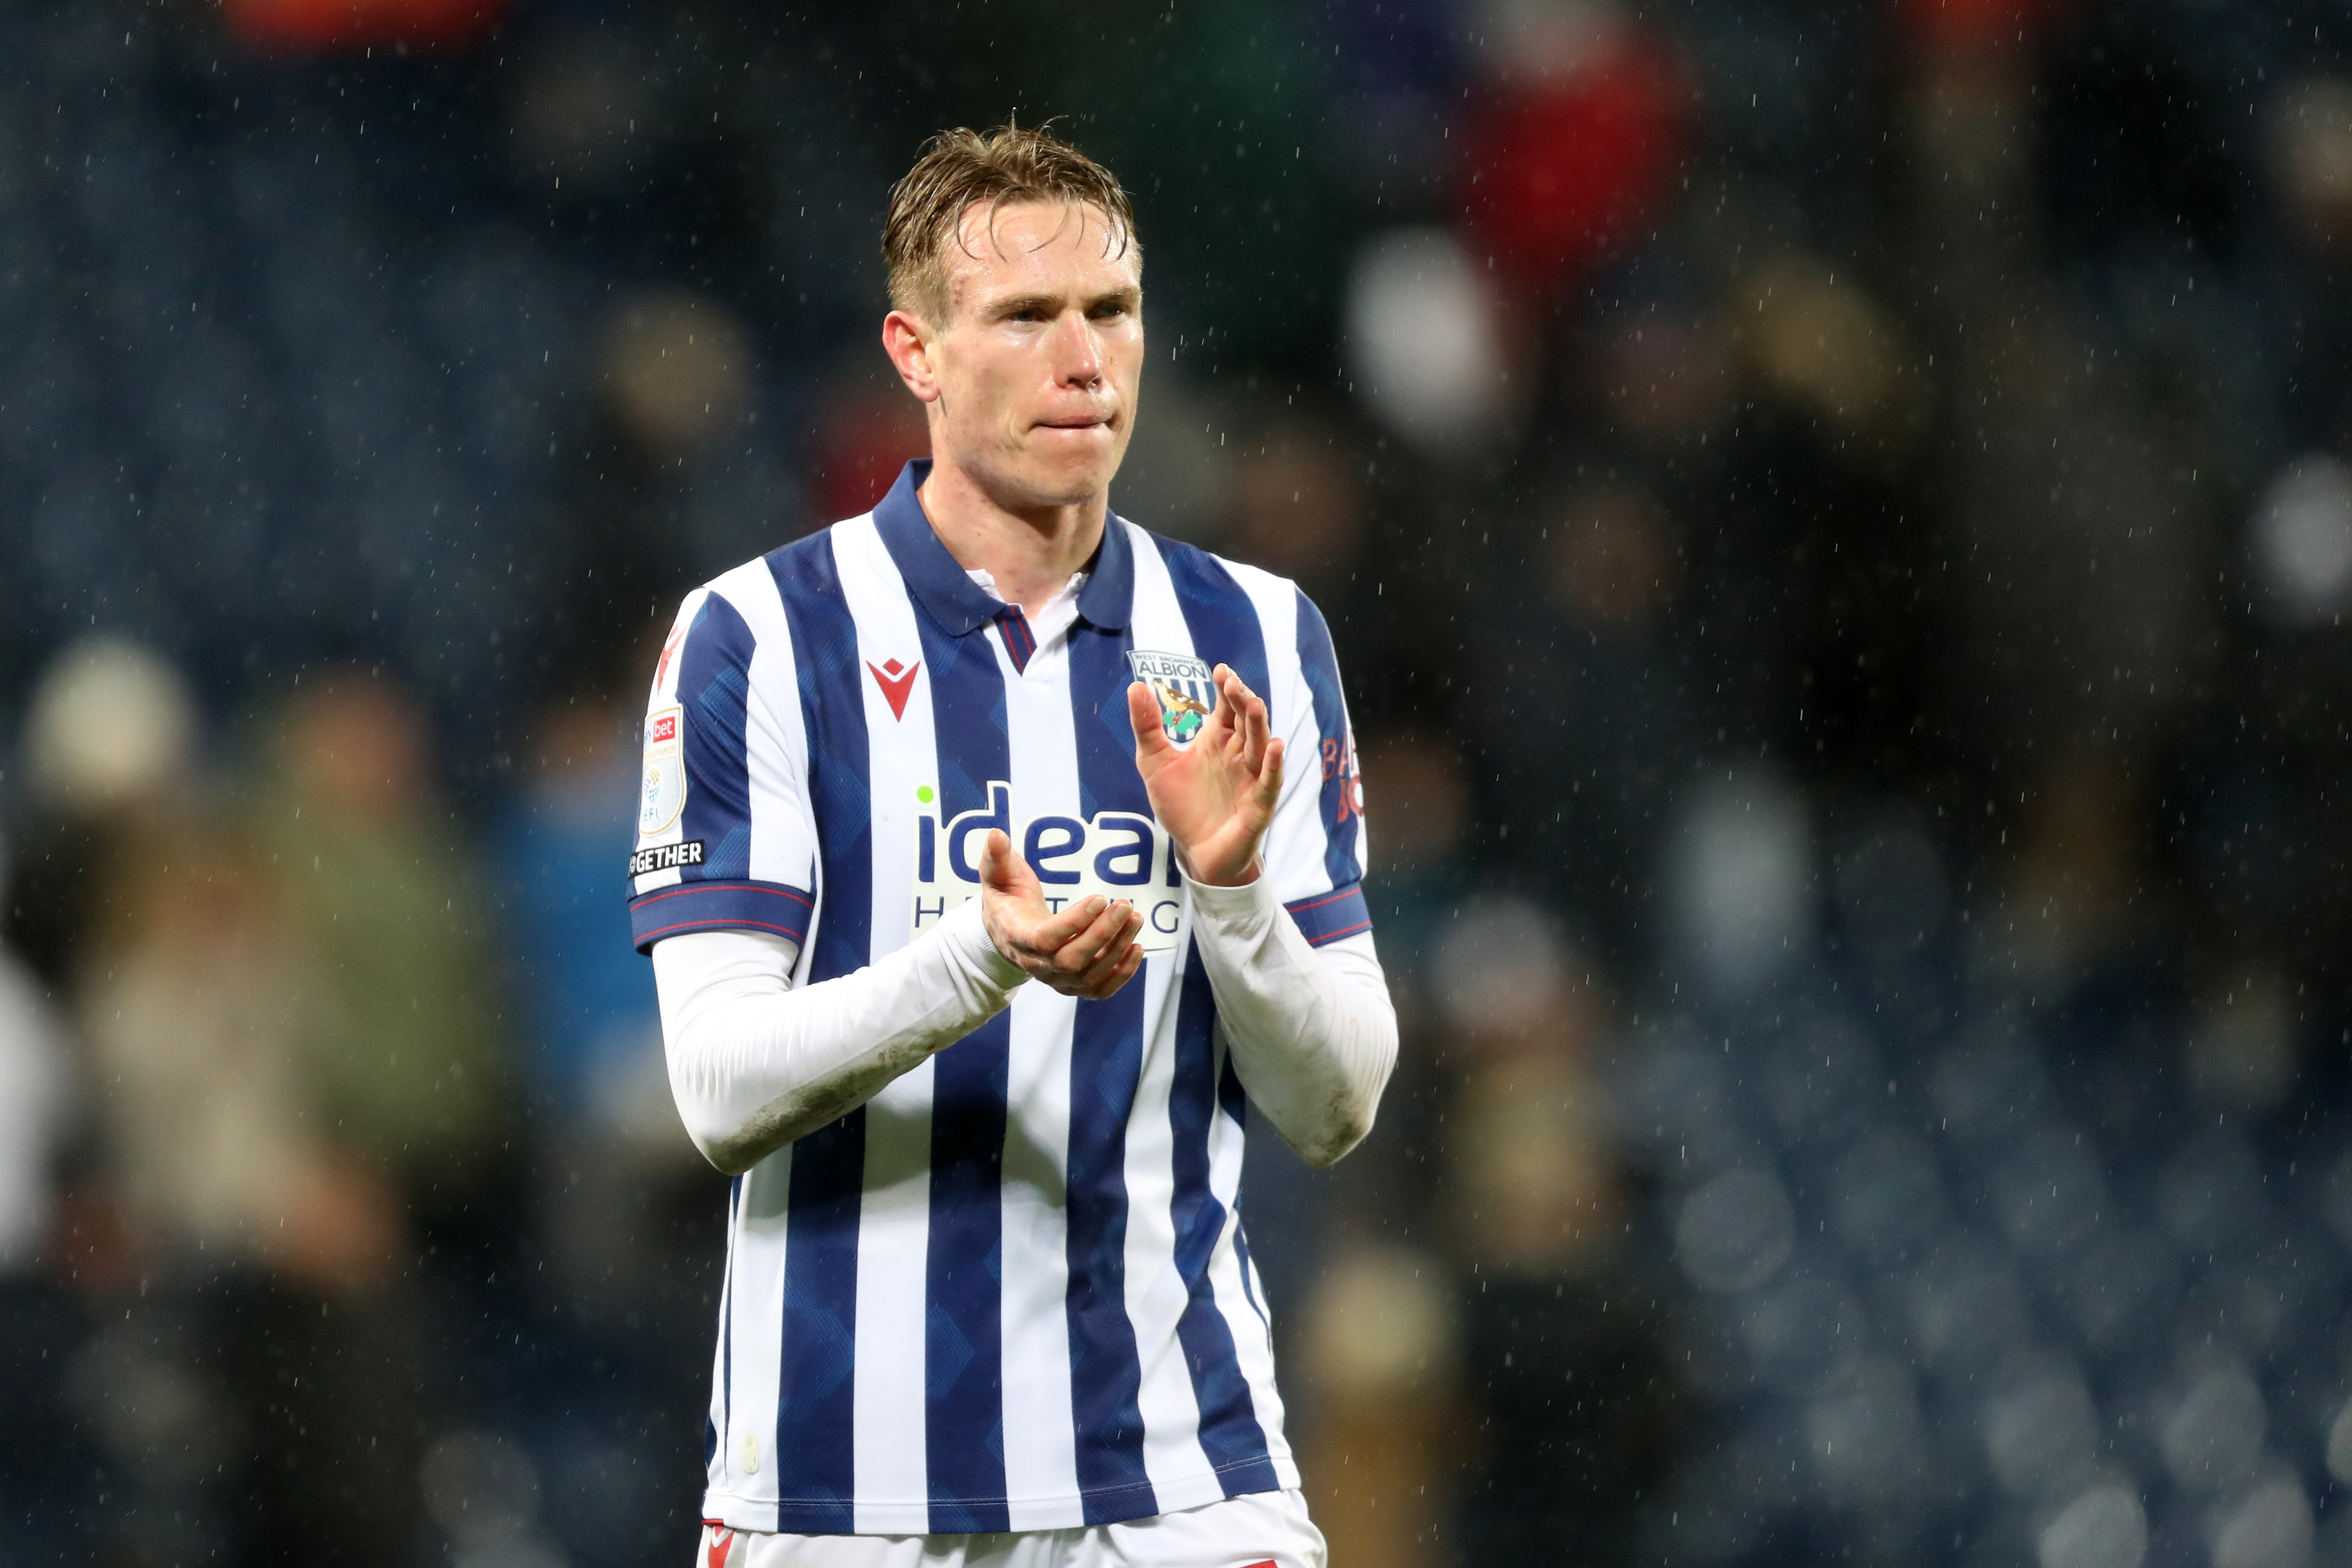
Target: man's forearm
1312, 1031
755, 1064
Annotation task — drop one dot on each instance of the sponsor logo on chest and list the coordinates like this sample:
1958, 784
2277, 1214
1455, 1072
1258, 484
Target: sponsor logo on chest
1115, 854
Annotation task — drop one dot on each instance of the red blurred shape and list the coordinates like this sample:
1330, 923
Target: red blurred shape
1971, 28
310, 27
864, 437
1561, 169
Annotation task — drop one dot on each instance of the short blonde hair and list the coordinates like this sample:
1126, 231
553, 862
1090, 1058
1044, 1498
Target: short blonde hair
960, 167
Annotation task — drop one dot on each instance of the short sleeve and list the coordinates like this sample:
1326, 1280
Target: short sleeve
1316, 845
725, 837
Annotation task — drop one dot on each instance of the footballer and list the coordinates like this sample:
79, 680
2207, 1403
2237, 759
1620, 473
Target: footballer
997, 859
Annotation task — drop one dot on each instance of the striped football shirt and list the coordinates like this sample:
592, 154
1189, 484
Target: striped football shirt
1011, 1291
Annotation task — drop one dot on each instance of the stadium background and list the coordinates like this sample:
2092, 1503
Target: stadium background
1837, 517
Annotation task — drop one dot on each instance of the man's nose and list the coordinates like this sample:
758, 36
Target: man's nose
1077, 355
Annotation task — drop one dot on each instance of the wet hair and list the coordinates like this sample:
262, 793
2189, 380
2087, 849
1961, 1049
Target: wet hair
1005, 166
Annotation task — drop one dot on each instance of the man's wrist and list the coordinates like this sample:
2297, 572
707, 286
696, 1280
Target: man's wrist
970, 935
1231, 902
1248, 873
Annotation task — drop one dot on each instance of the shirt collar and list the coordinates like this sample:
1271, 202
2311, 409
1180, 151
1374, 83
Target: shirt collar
961, 605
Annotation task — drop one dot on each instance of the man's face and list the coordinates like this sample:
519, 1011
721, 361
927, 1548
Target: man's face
1031, 380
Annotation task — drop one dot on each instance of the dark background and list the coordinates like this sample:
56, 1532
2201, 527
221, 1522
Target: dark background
1836, 518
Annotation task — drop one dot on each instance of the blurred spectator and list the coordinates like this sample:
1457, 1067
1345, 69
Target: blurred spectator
109, 742
347, 24
1573, 142
1582, 685
1177, 477
262, 1388
1421, 843
1380, 1444
198, 1015
2073, 896
1427, 346
44, 1467
623, 1197
1563, 1350
380, 888
1297, 508
868, 428
676, 369
677, 479
594, 1027
1739, 888
2302, 542
1665, 374
35, 1101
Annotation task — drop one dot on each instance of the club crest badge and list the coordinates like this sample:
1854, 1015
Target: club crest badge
662, 795
1181, 686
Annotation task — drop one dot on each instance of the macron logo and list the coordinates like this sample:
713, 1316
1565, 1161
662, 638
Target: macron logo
896, 680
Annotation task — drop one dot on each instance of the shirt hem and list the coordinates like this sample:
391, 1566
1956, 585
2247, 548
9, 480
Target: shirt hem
767, 1516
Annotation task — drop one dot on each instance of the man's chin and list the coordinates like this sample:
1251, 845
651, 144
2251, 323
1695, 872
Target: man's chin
1037, 484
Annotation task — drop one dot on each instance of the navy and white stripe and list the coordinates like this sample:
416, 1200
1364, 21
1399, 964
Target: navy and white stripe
1011, 1291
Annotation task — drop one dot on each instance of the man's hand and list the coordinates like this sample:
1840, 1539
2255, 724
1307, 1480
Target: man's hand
1216, 796
1087, 951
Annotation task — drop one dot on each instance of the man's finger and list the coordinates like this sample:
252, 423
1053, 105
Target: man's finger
1255, 730
1075, 954
1125, 970
1221, 681
1113, 951
1268, 788
1057, 931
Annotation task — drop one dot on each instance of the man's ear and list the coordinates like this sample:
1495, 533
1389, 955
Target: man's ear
908, 342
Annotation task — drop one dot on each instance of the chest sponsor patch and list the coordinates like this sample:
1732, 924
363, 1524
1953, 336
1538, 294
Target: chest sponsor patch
1116, 854
662, 789
1180, 685
666, 857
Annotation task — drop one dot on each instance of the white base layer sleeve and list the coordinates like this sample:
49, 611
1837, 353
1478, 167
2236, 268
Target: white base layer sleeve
755, 1064
1312, 1031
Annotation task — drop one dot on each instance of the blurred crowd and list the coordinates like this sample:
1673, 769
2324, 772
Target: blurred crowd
1837, 519
341, 1187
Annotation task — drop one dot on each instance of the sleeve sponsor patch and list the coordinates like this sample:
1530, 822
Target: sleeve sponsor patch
663, 795
666, 857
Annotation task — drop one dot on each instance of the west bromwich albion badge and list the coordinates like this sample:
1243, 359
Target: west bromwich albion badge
1180, 682
663, 795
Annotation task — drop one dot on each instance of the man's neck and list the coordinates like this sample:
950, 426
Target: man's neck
1029, 555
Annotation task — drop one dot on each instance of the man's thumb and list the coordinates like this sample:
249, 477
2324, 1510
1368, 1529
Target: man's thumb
1143, 713
996, 861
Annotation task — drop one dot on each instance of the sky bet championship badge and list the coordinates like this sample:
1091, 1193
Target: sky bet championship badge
663, 796
1182, 684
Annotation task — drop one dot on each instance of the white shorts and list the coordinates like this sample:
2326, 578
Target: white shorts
1264, 1530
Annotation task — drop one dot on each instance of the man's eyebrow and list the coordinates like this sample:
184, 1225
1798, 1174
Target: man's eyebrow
1013, 304
1050, 303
